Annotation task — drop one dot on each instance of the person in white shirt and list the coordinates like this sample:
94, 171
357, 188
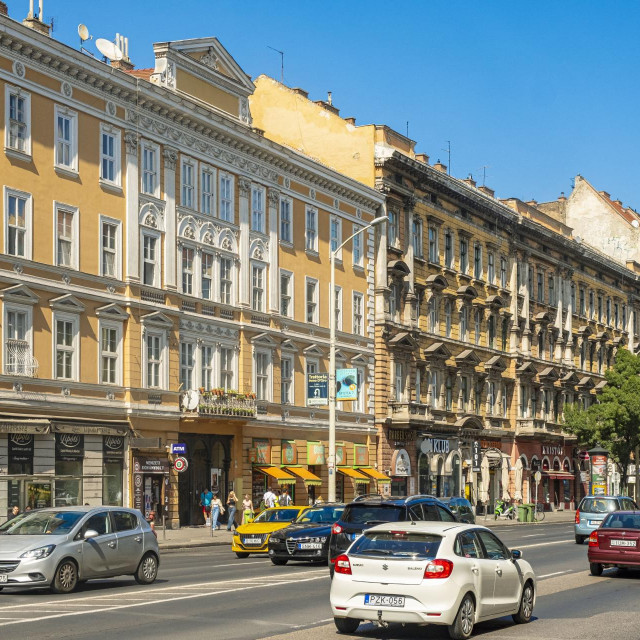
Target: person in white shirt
269, 499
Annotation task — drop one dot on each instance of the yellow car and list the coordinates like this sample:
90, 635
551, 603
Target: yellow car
253, 537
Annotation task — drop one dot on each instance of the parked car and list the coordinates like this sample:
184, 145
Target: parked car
461, 509
253, 537
431, 573
616, 543
592, 510
366, 511
61, 547
308, 537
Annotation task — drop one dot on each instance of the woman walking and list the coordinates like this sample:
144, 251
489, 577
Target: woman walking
232, 502
216, 510
247, 509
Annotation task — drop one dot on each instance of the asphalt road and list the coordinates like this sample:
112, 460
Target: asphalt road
209, 593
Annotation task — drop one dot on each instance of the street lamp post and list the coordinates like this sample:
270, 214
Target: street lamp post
332, 360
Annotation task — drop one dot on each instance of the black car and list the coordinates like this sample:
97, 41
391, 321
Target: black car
307, 538
369, 510
461, 509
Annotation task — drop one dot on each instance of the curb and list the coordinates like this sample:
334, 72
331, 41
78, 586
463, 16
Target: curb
177, 546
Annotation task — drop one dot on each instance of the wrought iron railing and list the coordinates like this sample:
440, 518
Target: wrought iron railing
19, 360
220, 402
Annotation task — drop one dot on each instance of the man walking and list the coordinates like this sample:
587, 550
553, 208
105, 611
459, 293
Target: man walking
285, 498
269, 499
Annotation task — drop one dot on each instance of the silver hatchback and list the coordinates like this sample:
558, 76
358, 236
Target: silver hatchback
60, 548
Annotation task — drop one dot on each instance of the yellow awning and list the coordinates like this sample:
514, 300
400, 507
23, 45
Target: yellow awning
279, 474
310, 478
375, 474
355, 475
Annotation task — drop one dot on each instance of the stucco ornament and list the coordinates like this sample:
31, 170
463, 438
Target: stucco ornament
66, 89
210, 59
18, 69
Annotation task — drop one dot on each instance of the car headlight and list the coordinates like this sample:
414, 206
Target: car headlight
40, 552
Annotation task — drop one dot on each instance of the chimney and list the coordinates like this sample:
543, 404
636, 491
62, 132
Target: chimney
438, 166
35, 21
3, 9
422, 157
489, 192
605, 194
329, 98
351, 121
328, 106
562, 197
618, 202
532, 203
125, 63
301, 92
470, 181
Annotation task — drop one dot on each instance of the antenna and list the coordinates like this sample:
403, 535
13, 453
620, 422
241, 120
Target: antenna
407, 128
109, 50
281, 62
448, 150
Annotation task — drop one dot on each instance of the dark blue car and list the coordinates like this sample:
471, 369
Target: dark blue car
307, 538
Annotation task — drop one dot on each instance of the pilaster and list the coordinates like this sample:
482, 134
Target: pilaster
244, 189
170, 247
132, 182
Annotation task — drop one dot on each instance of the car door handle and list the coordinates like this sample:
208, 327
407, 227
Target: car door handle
138, 539
499, 572
475, 570
112, 545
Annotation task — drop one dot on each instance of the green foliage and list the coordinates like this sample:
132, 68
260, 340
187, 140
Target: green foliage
614, 421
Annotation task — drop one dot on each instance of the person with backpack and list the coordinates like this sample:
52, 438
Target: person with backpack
269, 499
285, 499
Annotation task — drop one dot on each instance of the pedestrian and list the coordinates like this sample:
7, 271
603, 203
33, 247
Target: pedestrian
319, 500
276, 502
205, 502
15, 511
232, 502
216, 510
269, 499
285, 498
247, 509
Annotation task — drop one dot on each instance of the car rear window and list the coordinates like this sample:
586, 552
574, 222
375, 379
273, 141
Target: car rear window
371, 514
599, 505
622, 521
397, 543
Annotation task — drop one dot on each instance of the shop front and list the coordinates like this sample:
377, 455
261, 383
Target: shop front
440, 467
151, 486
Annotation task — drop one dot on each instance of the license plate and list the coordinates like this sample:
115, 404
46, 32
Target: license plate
595, 523
622, 543
383, 601
309, 545
4, 577
253, 540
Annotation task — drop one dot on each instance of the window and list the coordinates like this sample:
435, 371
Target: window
477, 396
66, 236
534, 402
504, 401
207, 190
524, 401
573, 298
616, 315
491, 397
286, 380
477, 261
392, 229
109, 353
150, 260
400, 381
66, 142
206, 367
358, 313
17, 340
494, 548
491, 268
447, 318
434, 389
109, 155
18, 120
541, 345
65, 347
583, 307
311, 229
109, 248
286, 220
227, 367
188, 172
226, 197
530, 282
150, 169
187, 365
226, 280
286, 293
599, 308
434, 322
338, 307
433, 245
312, 300
311, 367
477, 328
464, 393
505, 333
609, 311
448, 391
206, 283
187, 270
257, 209
448, 249
257, 287
336, 236
552, 291
262, 362
624, 317
416, 238
592, 305
395, 301
154, 353
464, 256
18, 208
491, 332
503, 273
464, 321
418, 385
359, 403
357, 246
540, 283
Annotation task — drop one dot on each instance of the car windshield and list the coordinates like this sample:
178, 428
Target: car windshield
45, 523
325, 515
622, 521
278, 515
367, 513
10, 523
397, 543
599, 505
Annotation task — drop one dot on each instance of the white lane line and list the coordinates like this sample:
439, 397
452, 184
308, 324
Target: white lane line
544, 544
533, 535
555, 573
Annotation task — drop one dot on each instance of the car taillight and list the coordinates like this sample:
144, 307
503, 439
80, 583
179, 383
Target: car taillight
336, 528
593, 539
578, 516
438, 569
342, 565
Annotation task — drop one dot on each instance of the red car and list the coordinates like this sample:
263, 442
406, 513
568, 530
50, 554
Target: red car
616, 543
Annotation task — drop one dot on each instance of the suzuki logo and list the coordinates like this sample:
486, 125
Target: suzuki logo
385, 567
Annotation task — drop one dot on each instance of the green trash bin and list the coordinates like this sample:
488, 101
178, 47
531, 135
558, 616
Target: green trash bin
529, 507
522, 513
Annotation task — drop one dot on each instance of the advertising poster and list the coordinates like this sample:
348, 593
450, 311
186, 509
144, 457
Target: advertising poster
340, 459
317, 389
347, 384
262, 451
315, 453
598, 475
289, 452
361, 455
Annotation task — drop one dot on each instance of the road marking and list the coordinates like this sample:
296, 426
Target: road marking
555, 573
533, 535
544, 544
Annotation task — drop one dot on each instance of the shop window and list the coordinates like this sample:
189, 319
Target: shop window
68, 467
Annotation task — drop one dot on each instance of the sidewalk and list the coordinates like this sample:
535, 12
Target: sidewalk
549, 516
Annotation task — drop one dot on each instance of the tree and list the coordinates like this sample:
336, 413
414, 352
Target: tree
614, 420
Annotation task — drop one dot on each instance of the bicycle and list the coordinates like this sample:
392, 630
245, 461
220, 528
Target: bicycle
538, 512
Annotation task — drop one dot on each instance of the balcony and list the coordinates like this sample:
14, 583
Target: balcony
19, 360
535, 426
402, 411
219, 402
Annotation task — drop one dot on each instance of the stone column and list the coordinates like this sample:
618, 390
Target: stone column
274, 280
170, 218
409, 204
132, 185
381, 282
568, 356
526, 333
557, 356
513, 307
244, 189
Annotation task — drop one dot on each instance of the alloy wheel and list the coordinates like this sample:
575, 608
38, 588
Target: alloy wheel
527, 601
149, 567
67, 576
466, 617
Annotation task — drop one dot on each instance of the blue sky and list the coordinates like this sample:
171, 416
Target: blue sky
536, 91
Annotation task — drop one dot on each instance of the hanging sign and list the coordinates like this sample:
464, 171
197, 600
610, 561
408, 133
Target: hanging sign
21, 447
180, 464
476, 453
69, 447
315, 453
360, 455
317, 389
347, 384
112, 448
289, 452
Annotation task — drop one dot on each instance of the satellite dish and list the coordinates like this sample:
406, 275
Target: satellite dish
190, 400
635, 224
83, 32
108, 49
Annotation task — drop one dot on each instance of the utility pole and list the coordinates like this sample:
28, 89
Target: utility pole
636, 455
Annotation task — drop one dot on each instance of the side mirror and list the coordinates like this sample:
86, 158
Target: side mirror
90, 533
516, 554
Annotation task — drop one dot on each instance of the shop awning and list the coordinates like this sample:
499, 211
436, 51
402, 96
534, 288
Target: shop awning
310, 478
358, 477
558, 475
375, 474
279, 474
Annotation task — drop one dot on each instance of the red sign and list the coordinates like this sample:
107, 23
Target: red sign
180, 464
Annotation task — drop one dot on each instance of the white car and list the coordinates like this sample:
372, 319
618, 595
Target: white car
430, 573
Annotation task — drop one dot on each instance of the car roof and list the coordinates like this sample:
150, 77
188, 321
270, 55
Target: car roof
397, 501
427, 526
283, 508
607, 497
84, 508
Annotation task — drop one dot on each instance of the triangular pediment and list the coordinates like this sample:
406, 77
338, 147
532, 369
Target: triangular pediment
570, 378
157, 319
437, 350
527, 369
313, 350
112, 311
264, 339
586, 383
468, 356
548, 375
496, 363
68, 303
289, 345
403, 339
19, 293
360, 359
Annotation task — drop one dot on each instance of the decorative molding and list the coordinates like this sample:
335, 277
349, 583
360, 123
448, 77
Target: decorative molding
110, 108
210, 59
18, 69
245, 114
312, 194
131, 142
66, 89
274, 197
170, 158
244, 187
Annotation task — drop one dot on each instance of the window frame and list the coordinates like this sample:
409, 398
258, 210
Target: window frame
20, 93
289, 276
75, 239
61, 111
335, 222
74, 348
162, 363
316, 301
478, 271
258, 267
188, 276
105, 220
189, 191
357, 328
211, 195
464, 256
232, 279
157, 279
191, 368
154, 150
258, 215
357, 253
9, 192
220, 372
311, 241
211, 277
107, 130
117, 326
286, 203
289, 380
230, 201
11, 307
259, 353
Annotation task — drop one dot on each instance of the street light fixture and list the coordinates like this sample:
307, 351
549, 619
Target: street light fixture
332, 359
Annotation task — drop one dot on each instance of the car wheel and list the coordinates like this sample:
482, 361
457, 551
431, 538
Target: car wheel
346, 625
462, 626
526, 605
280, 562
595, 568
580, 539
66, 577
147, 570
242, 554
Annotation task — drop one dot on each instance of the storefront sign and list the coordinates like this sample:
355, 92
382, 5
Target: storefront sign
347, 384
340, 457
69, 447
150, 465
491, 444
400, 463
179, 448
400, 435
113, 448
21, 447
180, 464
289, 452
476, 453
361, 455
261, 451
138, 501
315, 453
435, 445
317, 389
552, 450
26, 426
